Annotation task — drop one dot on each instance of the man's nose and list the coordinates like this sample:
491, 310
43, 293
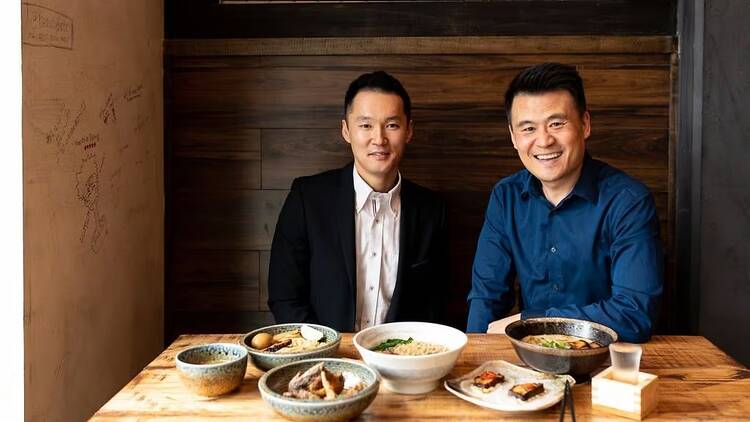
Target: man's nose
545, 138
378, 136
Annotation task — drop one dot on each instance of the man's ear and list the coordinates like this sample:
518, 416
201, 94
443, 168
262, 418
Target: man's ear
512, 138
410, 131
586, 124
345, 131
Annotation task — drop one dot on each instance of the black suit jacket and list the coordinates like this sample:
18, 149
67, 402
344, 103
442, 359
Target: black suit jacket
312, 274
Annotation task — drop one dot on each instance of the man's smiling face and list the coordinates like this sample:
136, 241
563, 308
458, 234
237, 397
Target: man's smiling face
549, 133
378, 130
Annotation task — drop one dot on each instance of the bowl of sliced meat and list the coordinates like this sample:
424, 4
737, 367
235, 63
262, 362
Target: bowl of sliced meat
321, 390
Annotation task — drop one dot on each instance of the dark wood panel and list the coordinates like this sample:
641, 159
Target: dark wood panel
211, 157
226, 219
217, 322
278, 91
440, 62
265, 259
210, 19
217, 296
208, 174
316, 46
211, 266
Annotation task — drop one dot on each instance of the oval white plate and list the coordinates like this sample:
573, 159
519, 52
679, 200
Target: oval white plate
499, 399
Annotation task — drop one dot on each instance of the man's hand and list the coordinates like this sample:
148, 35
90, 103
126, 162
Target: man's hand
498, 327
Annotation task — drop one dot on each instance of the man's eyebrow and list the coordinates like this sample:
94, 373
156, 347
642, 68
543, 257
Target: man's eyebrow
363, 118
395, 117
557, 116
524, 122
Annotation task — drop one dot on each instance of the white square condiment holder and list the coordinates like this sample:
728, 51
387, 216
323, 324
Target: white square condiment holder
634, 401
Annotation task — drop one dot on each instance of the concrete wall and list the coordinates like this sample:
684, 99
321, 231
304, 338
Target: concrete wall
93, 200
725, 204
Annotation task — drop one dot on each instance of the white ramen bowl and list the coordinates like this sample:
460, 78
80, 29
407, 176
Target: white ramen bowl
411, 374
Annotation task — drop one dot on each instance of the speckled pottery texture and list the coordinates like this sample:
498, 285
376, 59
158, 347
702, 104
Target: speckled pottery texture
266, 361
213, 379
274, 383
579, 363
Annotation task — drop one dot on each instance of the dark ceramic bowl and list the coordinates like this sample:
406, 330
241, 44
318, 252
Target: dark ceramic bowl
578, 363
274, 382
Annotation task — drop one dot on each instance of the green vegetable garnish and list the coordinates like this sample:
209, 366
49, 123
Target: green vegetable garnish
391, 342
555, 344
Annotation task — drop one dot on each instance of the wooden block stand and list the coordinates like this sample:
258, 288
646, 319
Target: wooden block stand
634, 401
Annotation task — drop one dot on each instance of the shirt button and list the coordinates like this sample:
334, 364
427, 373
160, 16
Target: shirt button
372, 288
377, 221
374, 253
368, 321
553, 249
556, 287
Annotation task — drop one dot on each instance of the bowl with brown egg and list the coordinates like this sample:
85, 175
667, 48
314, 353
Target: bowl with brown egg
280, 344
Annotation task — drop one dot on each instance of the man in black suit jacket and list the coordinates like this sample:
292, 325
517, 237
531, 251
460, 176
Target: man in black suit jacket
360, 245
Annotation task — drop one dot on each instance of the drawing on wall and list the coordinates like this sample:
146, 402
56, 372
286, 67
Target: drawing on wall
45, 27
88, 185
81, 136
107, 112
64, 128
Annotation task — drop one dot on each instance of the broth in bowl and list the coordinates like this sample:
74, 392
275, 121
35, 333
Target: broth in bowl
561, 341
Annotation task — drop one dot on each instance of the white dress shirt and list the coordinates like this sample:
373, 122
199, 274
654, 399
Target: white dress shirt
376, 233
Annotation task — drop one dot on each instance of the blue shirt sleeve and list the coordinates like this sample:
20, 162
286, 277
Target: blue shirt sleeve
636, 275
492, 295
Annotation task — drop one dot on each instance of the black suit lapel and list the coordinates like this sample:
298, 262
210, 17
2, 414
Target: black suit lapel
344, 213
407, 215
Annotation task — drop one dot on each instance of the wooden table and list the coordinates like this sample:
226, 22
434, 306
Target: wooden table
697, 381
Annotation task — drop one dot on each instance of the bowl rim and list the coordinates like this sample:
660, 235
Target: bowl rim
562, 352
370, 389
256, 352
360, 348
233, 346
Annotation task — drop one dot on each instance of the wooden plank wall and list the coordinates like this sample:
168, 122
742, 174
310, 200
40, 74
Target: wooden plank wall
244, 117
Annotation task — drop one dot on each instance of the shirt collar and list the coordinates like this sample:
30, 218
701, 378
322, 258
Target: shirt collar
363, 191
586, 186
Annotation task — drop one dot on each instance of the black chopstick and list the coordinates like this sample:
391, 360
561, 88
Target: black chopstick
570, 398
564, 402
567, 397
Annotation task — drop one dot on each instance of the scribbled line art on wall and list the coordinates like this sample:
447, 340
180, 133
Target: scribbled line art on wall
81, 132
87, 191
45, 27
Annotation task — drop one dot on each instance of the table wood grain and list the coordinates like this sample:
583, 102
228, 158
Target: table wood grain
697, 381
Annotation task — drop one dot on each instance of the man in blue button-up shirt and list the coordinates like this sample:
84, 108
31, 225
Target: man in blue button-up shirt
581, 236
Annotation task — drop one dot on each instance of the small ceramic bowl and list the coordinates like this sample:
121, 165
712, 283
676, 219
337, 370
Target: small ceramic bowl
268, 360
578, 363
411, 374
274, 383
212, 369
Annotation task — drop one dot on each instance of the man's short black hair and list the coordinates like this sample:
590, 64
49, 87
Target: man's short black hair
379, 82
546, 77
